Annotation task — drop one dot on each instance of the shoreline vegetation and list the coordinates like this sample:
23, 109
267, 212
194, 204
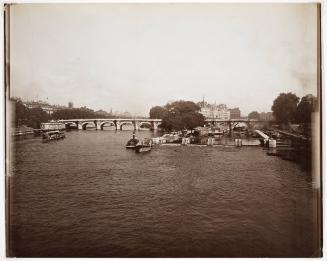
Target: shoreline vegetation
288, 111
292, 115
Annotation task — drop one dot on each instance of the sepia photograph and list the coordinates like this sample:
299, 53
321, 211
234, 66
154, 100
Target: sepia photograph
163, 130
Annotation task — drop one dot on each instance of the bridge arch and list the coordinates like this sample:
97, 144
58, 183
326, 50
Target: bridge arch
107, 123
118, 122
121, 124
84, 124
145, 123
69, 125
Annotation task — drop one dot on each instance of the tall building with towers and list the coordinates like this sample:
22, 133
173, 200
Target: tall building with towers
214, 111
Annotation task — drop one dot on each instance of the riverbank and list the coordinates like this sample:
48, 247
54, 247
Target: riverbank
285, 145
21, 131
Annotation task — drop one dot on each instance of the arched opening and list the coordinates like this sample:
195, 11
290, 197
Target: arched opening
239, 126
209, 124
88, 126
127, 125
221, 126
108, 125
145, 126
71, 125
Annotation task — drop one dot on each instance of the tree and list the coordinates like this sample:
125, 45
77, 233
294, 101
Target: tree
74, 113
36, 116
305, 108
31, 117
21, 112
284, 107
157, 112
181, 115
254, 115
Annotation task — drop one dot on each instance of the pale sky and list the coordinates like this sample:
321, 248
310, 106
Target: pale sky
130, 57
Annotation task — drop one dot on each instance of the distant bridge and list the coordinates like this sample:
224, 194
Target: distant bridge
137, 123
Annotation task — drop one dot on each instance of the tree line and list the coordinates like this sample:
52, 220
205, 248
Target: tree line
177, 115
33, 117
288, 108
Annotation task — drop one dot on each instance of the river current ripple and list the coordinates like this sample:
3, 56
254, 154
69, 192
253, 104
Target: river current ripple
87, 196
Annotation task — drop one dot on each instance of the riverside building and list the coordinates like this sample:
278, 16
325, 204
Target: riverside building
235, 113
43, 105
213, 111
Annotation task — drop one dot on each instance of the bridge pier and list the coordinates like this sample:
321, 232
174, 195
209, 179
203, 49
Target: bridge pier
136, 125
97, 125
79, 126
155, 125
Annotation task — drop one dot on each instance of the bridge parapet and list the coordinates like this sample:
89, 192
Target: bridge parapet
118, 122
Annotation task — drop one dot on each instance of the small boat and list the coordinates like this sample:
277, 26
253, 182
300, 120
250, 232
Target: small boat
172, 138
131, 144
144, 146
186, 141
53, 135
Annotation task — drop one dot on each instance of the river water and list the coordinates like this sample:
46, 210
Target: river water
88, 196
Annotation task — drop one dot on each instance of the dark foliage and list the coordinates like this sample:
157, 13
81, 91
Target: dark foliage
75, 113
36, 117
29, 117
254, 115
305, 108
20, 112
157, 112
180, 115
284, 107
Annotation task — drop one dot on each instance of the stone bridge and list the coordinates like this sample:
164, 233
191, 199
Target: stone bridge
118, 123
139, 123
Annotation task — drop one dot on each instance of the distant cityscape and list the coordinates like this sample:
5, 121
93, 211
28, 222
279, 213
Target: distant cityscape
213, 111
50, 109
222, 112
